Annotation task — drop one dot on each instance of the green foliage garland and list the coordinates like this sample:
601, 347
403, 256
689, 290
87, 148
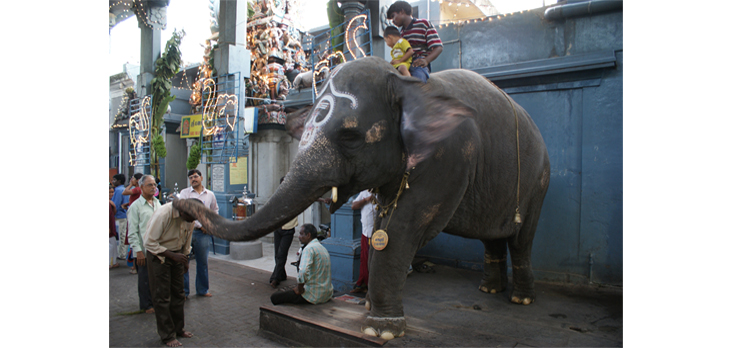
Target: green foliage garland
166, 68
195, 155
335, 18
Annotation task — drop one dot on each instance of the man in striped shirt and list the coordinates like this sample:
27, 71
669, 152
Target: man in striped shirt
314, 285
421, 35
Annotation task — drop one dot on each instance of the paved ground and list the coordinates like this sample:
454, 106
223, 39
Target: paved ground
443, 309
228, 319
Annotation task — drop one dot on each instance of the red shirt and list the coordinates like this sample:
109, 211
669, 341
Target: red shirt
135, 193
112, 220
422, 36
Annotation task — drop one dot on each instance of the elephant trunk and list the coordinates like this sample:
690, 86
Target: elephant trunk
290, 199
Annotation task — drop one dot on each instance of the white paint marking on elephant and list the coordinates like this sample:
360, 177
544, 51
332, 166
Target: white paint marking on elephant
329, 84
326, 104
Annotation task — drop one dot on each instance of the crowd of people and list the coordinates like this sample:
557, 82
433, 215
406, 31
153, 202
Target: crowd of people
157, 240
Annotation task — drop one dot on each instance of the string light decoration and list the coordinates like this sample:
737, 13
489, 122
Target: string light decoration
211, 112
462, 21
127, 4
353, 31
317, 69
139, 128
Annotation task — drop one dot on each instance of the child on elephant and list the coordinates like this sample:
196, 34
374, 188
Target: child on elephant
401, 51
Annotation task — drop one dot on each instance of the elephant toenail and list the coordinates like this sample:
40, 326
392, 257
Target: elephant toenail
387, 335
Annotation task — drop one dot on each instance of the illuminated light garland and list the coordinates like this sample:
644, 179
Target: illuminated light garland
130, 6
482, 19
139, 122
211, 112
349, 29
208, 110
316, 71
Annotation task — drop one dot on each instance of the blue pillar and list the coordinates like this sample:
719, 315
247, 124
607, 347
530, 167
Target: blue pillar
344, 247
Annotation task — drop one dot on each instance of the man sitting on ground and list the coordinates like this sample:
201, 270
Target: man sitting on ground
314, 285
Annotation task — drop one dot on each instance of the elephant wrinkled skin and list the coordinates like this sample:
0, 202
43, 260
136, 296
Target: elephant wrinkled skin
457, 138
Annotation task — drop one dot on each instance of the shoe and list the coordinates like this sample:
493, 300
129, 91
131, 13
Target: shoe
358, 290
133, 271
274, 283
410, 270
205, 295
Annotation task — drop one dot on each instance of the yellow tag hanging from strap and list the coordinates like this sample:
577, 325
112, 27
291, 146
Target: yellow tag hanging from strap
379, 240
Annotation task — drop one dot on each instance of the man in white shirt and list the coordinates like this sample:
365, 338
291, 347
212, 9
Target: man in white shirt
364, 202
200, 242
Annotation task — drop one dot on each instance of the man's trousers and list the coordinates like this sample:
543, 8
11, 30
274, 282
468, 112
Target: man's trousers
166, 282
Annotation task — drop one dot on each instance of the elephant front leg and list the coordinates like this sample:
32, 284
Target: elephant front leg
388, 269
495, 277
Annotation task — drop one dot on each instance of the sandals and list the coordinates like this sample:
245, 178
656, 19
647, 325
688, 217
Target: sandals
359, 289
133, 271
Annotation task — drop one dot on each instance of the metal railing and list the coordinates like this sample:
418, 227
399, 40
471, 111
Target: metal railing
345, 42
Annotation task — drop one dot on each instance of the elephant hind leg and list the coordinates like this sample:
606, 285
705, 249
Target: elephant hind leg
520, 247
494, 277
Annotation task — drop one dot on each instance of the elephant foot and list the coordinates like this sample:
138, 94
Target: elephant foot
485, 289
385, 328
492, 286
522, 297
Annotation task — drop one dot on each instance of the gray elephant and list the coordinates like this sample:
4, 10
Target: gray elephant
455, 155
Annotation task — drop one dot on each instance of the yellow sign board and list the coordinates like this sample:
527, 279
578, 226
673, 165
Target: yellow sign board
191, 126
238, 171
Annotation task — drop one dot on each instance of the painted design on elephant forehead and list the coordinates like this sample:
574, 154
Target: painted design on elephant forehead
330, 85
323, 111
350, 122
375, 133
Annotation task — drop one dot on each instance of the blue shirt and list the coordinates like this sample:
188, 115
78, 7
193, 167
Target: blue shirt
118, 199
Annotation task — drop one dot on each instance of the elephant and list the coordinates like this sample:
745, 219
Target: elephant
456, 155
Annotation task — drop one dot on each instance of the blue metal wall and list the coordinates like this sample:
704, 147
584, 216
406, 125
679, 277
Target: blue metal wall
567, 74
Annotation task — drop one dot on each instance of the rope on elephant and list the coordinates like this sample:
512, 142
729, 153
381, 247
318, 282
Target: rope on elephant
384, 208
517, 216
489, 259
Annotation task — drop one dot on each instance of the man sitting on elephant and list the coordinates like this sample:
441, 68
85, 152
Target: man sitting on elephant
314, 284
422, 36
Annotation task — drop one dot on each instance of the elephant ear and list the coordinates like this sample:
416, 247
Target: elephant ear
295, 121
427, 118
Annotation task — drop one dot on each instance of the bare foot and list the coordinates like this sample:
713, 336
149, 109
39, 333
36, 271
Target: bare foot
115, 266
150, 311
174, 343
205, 295
186, 334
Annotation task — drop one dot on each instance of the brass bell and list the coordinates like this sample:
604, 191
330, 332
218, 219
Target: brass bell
518, 218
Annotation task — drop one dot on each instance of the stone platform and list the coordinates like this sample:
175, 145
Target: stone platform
444, 308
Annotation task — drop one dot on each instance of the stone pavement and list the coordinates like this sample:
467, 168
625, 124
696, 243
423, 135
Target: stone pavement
443, 308
228, 319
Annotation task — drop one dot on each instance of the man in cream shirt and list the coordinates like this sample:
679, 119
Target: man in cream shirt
200, 240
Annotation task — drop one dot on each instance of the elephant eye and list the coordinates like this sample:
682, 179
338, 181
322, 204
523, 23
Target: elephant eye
350, 138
